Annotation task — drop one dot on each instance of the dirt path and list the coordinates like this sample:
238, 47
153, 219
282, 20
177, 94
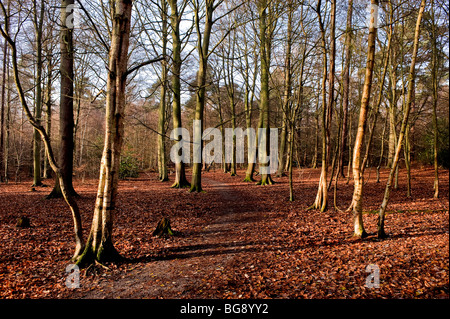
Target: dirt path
183, 271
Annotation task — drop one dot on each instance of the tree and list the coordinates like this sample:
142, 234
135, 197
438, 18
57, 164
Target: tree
175, 19
346, 88
66, 101
73, 206
321, 201
267, 23
5, 107
287, 92
38, 21
204, 51
162, 161
435, 85
203, 40
357, 199
99, 245
409, 100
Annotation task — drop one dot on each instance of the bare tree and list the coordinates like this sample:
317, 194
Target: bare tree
409, 99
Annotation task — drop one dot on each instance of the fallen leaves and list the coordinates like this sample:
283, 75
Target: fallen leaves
256, 245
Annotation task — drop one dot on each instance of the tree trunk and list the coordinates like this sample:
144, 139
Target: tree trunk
248, 105
392, 110
287, 93
38, 24
321, 201
175, 19
4, 115
357, 199
66, 104
435, 84
23, 101
346, 87
99, 245
381, 87
162, 161
265, 48
48, 106
203, 51
382, 212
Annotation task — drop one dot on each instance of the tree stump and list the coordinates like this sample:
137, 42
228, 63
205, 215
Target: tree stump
23, 222
163, 228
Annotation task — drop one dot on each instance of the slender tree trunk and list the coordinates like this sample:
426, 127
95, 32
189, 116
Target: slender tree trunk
229, 83
407, 155
435, 84
409, 98
48, 106
287, 92
321, 201
346, 86
392, 110
99, 245
4, 112
382, 149
162, 161
38, 24
380, 93
248, 115
357, 200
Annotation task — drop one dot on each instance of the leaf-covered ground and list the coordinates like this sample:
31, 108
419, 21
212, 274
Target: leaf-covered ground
236, 240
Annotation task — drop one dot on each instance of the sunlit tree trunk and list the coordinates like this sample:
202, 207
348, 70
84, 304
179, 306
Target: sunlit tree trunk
321, 201
409, 99
99, 245
357, 199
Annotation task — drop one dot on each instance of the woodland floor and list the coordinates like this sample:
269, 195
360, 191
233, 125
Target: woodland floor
236, 240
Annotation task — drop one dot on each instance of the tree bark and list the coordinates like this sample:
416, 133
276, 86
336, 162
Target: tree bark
357, 199
346, 87
99, 245
435, 84
287, 93
321, 201
66, 104
203, 51
38, 21
265, 47
162, 160
175, 19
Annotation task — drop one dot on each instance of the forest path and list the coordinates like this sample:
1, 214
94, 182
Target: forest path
185, 269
